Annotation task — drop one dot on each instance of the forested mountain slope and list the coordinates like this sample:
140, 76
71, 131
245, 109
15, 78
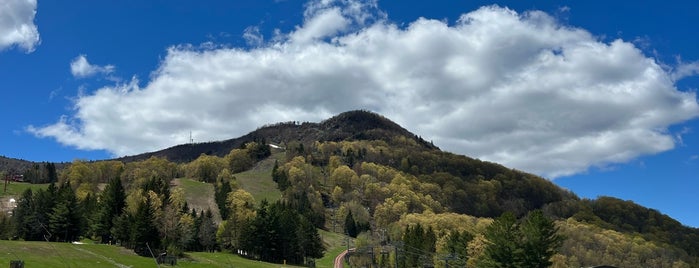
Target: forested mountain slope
361, 174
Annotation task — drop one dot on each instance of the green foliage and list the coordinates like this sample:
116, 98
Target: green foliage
279, 233
626, 216
384, 178
41, 173
590, 245
457, 247
503, 247
64, 219
418, 246
350, 225
111, 204
540, 240
221, 190
530, 243
143, 233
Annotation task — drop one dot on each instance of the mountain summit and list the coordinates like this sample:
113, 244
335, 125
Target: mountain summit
352, 125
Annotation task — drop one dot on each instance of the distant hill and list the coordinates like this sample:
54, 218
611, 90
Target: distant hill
352, 125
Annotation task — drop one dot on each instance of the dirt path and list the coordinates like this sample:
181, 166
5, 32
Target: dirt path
340, 260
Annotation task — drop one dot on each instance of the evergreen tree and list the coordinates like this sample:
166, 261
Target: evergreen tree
143, 233
220, 196
529, 244
112, 203
503, 248
51, 173
309, 240
64, 219
207, 231
540, 240
23, 216
457, 247
418, 246
350, 225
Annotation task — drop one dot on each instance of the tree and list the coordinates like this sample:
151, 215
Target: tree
540, 240
531, 243
112, 203
419, 246
309, 240
239, 160
64, 220
207, 231
503, 248
222, 188
457, 247
143, 231
350, 225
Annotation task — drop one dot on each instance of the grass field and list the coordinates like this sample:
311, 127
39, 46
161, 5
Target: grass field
44, 254
258, 180
199, 195
15, 189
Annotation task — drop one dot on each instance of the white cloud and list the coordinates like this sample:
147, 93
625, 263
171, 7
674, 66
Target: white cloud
17, 26
518, 89
253, 37
81, 68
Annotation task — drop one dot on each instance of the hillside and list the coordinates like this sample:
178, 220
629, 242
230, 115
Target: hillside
363, 165
353, 125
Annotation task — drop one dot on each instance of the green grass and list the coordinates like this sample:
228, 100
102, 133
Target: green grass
199, 195
258, 180
15, 189
44, 254
334, 244
204, 259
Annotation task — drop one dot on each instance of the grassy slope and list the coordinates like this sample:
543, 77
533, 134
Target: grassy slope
15, 189
334, 244
43, 254
258, 180
199, 195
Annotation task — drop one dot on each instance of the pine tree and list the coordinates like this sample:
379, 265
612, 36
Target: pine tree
65, 217
457, 247
350, 225
207, 232
540, 240
503, 249
112, 203
310, 242
143, 233
221, 194
531, 243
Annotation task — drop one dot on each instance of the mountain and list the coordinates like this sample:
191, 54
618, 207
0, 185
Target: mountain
352, 125
386, 176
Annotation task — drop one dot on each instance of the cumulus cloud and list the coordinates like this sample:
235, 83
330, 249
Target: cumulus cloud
81, 68
515, 88
17, 26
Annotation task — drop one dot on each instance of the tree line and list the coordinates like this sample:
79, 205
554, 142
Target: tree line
377, 191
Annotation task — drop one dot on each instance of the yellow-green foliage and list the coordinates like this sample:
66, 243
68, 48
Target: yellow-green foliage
136, 173
588, 245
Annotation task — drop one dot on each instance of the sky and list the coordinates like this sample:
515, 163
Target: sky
600, 99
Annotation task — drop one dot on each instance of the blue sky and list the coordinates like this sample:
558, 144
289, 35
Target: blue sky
599, 98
